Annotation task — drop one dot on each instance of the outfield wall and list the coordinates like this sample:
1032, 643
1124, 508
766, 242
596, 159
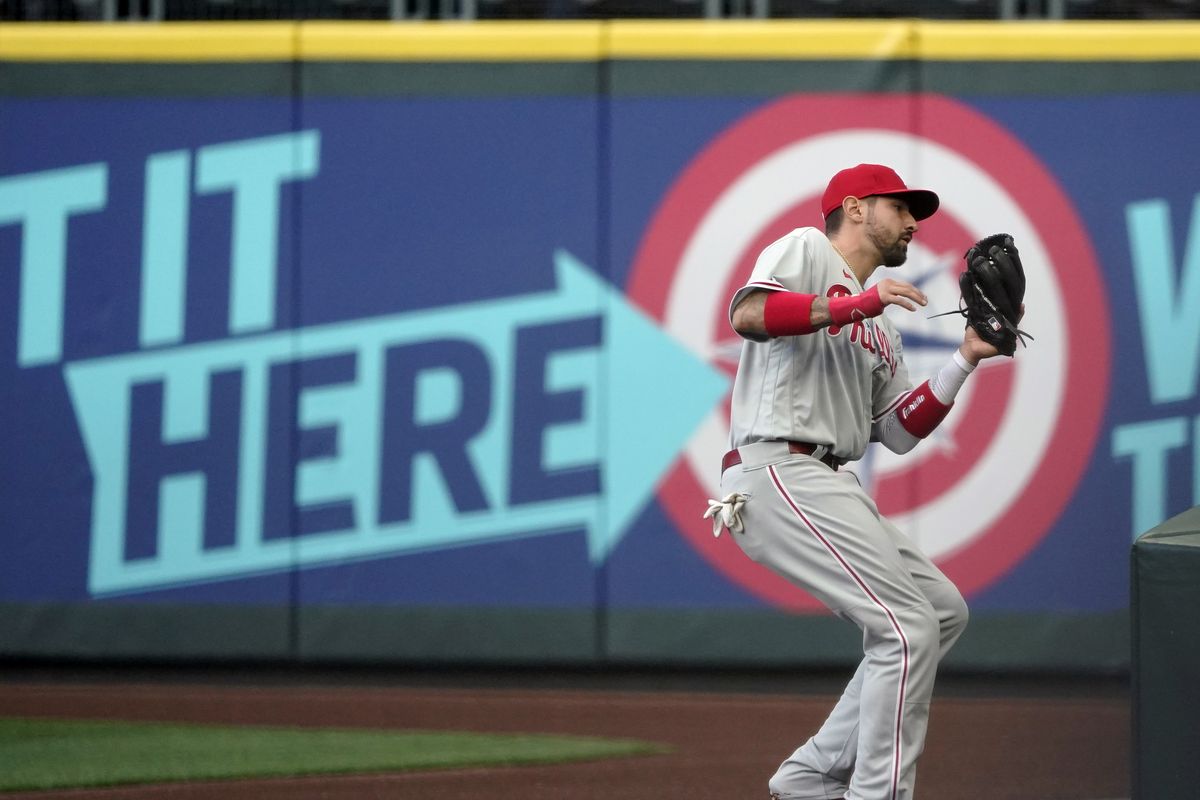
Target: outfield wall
408, 343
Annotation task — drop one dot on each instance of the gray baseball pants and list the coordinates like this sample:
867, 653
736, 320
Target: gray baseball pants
817, 528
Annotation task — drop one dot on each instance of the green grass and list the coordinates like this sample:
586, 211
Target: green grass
58, 754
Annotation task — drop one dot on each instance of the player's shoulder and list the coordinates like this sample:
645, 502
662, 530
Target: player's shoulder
799, 260
808, 235
807, 241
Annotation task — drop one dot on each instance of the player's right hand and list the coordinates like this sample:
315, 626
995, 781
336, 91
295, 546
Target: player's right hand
901, 293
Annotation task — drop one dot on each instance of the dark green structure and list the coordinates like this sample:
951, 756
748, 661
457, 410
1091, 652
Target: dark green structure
1166, 660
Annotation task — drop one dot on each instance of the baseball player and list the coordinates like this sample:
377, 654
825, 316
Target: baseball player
821, 374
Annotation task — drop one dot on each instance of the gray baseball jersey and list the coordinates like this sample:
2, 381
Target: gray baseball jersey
825, 388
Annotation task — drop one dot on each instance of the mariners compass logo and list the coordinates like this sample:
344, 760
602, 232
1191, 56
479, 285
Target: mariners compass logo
990, 484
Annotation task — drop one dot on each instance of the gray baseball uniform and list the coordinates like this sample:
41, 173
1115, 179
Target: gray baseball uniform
814, 525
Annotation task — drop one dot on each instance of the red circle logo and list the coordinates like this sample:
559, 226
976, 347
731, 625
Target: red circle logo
990, 483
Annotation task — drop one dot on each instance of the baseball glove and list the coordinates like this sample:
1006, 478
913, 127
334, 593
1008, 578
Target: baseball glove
992, 288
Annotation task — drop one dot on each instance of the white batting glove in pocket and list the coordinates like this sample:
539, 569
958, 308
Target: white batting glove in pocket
727, 513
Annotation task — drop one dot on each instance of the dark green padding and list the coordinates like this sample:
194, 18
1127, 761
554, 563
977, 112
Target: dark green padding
1165, 580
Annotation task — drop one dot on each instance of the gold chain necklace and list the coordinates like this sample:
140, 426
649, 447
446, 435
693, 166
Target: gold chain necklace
845, 260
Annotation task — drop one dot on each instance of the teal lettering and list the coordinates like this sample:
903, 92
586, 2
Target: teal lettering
192, 427
1169, 312
164, 248
181, 513
1148, 443
254, 171
42, 202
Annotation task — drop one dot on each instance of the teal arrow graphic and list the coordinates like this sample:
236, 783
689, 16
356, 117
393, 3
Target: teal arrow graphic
654, 393
644, 393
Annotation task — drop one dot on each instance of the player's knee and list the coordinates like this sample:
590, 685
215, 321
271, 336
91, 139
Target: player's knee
922, 630
951, 610
954, 615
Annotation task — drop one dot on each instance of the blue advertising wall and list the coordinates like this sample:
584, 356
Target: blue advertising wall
408, 343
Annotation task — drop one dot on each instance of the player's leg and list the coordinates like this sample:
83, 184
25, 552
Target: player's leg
821, 769
948, 603
832, 752
816, 528
900, 646
823, 765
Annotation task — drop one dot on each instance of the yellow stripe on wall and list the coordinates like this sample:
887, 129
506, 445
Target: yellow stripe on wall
764, 39
192, 41
452, 41
747, 40
1060, 41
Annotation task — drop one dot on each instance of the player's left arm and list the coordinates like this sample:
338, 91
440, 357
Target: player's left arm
915, 414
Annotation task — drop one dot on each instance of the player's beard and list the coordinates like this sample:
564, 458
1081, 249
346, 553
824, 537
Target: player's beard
893, 250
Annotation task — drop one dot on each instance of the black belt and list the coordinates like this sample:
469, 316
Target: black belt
733, 457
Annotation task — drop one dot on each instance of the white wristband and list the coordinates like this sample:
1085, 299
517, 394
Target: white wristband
950, 378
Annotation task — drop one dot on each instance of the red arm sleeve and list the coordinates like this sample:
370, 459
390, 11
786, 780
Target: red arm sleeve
920, 411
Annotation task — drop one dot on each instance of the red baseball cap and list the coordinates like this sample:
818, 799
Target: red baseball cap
869, 180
